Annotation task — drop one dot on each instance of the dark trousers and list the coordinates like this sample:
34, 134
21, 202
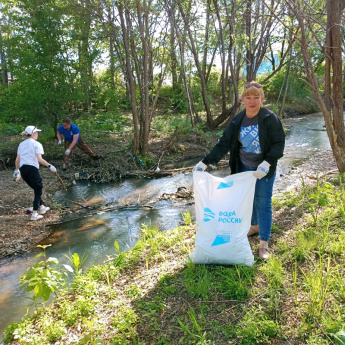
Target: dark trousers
32, 177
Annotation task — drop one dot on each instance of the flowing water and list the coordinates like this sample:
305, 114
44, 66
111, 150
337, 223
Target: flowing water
95, 235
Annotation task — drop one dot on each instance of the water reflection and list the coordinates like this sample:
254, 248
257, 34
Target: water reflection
305, 136
95, 235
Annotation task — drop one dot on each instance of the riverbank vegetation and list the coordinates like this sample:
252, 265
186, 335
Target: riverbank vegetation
152, 293
95, 62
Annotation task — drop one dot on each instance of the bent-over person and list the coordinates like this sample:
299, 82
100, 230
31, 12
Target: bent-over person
71, 133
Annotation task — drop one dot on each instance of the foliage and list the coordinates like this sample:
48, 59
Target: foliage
43, 278
276, 300
110, 121
106, 95
299, 96
76, 262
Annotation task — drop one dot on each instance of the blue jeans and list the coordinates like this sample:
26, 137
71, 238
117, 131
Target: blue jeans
262, 208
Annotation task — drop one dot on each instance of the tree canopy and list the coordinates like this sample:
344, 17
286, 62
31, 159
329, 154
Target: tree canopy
62, 58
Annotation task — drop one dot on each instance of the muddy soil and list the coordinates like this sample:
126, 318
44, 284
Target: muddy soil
18, 234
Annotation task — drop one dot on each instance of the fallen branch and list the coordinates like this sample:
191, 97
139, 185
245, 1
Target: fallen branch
114, 209
60, 180
168, 172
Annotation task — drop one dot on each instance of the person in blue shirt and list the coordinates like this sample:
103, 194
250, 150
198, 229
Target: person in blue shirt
71, 133
255, 139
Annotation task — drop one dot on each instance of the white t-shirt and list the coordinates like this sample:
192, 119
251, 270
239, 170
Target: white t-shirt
27, 150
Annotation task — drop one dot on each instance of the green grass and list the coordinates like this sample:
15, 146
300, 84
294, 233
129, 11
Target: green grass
152, 294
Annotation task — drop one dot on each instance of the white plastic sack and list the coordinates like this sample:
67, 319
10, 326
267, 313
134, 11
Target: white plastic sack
223, 215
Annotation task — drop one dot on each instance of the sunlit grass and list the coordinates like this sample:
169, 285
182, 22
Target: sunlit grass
153, 294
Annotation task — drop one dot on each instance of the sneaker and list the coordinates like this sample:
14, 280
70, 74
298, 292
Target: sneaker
43, 209
36, 216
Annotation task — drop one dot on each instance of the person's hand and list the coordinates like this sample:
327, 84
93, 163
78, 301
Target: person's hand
59, 142
200, 167
262, 170
16, 175
52, 168
67, 152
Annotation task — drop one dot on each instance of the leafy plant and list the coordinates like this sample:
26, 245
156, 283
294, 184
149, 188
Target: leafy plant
197, 280
319, 199
9, 332
89, 338
76, 261
43, 278
339, 337
274, 272
234, 282
317, 284
187, 218
257, 327
194, 331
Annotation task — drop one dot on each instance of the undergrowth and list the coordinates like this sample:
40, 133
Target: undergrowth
152, 294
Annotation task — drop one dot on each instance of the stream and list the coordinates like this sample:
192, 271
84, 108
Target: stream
94, 235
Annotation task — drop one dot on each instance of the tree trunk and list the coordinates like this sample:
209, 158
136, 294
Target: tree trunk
85, 61
198, 66
173, 57
130, 81
144, 88
334, 119
286, 85
3, 64
249, 54
222, 56
334, 10
111, 55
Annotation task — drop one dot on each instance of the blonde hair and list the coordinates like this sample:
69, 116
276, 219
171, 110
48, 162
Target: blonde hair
253, 89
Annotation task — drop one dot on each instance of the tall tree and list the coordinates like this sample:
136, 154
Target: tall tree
332, 104
139, 37
198, 65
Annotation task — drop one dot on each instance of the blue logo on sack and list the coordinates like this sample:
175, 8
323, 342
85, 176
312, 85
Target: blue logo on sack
208, 214
221, 239
226, 185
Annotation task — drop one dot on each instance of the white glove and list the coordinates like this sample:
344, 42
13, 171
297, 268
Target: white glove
52, 168
262, 170
200, 167
67, 152
16, 175
59, 142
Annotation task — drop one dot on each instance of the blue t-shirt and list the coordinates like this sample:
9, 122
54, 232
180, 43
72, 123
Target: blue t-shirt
68, 133
250, 151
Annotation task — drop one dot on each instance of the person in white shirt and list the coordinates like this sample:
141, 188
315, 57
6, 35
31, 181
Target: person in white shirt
29, 158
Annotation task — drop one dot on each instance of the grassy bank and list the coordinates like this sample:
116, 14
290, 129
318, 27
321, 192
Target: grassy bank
152, 294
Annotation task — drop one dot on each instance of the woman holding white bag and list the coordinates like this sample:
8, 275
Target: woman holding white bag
255, 139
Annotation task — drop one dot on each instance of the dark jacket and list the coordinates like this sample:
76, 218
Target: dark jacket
271, 138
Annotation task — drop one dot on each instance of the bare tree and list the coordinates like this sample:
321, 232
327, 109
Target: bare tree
331, 104
138, 33
198, 65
